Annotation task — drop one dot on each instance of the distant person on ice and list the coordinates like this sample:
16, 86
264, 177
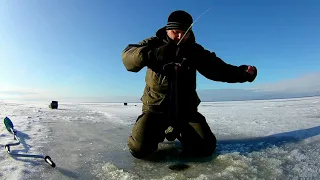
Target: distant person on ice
156, 121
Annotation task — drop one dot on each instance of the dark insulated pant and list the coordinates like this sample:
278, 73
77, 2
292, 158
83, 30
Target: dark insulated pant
149, 130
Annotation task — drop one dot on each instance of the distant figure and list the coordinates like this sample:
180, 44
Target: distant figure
170, 101
125, 104
53, 105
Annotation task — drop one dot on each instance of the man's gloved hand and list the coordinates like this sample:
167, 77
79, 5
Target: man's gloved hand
159, 56
185, 51
251, 72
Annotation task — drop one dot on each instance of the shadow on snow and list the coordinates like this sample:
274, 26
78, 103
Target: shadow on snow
169, 151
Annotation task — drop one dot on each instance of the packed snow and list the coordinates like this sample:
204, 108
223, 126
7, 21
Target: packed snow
264, 139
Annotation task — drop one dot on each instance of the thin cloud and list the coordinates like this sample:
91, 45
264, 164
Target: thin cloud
15, 93
21, 93
308, 85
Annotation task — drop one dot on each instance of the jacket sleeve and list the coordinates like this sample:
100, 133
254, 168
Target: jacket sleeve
214, 68
134, 56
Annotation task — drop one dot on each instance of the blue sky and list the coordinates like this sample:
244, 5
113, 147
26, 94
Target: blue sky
72, 48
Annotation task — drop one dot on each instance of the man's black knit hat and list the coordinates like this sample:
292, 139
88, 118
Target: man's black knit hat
179, 20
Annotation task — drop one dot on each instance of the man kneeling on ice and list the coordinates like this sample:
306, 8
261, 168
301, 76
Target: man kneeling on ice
170, 101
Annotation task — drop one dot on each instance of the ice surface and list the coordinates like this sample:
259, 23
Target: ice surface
273, 139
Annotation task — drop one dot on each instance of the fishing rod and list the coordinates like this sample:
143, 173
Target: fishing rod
193, 24
174, 110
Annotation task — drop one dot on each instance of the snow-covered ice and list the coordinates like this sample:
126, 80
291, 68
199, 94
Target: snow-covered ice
265, 139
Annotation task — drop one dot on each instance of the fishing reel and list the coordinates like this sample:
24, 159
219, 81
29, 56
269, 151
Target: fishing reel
174, 67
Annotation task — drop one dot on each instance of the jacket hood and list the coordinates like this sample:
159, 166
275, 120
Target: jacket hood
162, 34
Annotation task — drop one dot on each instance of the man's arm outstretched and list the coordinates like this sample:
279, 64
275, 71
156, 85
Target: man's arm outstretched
214, 68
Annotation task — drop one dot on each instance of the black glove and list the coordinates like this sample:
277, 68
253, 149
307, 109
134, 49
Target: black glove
162, 55
250, 72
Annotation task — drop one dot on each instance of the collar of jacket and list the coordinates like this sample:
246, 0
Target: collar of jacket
162, 34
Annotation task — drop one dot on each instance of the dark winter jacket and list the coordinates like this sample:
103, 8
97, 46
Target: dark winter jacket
156, 92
